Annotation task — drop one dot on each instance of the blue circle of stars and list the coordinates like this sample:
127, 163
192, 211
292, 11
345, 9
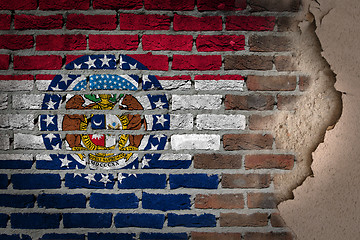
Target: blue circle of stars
49, 122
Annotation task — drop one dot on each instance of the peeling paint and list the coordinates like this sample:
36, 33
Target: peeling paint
325, 205
303, 129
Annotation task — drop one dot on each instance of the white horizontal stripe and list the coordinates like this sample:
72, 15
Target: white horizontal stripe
237, 85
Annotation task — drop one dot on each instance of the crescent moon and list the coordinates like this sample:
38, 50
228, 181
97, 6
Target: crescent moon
97, 124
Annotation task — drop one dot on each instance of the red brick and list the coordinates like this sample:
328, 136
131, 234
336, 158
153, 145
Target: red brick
285, 63
16, 42
304, 83
262, 200
18, 4
44, 76
189, 23
217, 201
249, 102
167, 42
184, 5
258, 122
269, 43
288, 102
152, 62
196, 62
38, 22
91, 22
274, 5
17, 77
217, 161
248, 62
5, 21
51, 62
116, 4
113, 42
276, 220
247, 141
144, 22
271, 83
60, 42
243, 220
64, 4
269, 161
210, 43
214, 5
245, 180
268, 236
215, 236
4, 61
250, 23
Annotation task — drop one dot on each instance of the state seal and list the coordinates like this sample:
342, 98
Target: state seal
108, 129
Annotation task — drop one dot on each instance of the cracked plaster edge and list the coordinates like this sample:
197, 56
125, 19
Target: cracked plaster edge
321, 93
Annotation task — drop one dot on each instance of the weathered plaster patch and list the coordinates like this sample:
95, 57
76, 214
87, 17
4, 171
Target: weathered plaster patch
318, 108
326, 205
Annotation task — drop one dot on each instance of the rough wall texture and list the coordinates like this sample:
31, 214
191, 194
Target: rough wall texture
157, 120
326, 205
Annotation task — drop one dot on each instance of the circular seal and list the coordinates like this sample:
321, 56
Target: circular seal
106, 134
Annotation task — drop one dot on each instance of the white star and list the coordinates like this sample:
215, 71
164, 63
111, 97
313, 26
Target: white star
51, 104
121, 177
133, 67
91, 62
65, 79
105, 178
145, 162
146, 79
121, 62
161, 120
159, 137
76, 173
77, 66
153, 147
49, 120
50, 136
159, 104
65, 161
132, 174
105, 61
56, 88
90, 177
57, 146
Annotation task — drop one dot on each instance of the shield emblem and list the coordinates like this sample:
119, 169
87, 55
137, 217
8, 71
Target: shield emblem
101, 121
